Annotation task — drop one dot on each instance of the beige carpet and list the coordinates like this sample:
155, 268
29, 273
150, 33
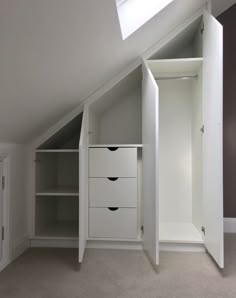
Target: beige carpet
50, 273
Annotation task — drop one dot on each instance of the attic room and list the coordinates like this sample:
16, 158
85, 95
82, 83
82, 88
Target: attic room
117, 155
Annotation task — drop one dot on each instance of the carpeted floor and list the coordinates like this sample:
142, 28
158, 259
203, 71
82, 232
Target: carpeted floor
50, 273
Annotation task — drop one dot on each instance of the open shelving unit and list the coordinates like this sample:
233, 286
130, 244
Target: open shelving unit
57, 183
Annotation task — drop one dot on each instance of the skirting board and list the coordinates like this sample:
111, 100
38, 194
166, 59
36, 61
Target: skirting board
57, 243
181, 247
133, 245
229, 225
20, 248
128, 245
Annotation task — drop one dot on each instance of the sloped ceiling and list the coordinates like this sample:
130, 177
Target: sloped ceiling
54, 53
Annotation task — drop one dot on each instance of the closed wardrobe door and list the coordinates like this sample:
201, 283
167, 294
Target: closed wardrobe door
212, 138
150, 165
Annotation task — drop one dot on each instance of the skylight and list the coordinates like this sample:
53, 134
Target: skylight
134, 13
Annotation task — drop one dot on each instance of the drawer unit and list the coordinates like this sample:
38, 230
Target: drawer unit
113, 162
113, 192
113, 223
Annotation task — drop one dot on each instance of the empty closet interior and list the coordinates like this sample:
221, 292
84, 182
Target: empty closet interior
57, 183
180, 148
116, 118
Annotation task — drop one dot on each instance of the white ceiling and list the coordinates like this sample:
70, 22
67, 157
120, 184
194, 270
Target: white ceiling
54, 53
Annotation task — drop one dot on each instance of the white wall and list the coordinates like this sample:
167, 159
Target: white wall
122, 123
17, 196
175, 151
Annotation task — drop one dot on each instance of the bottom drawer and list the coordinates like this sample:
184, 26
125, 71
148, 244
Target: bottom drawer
113, 223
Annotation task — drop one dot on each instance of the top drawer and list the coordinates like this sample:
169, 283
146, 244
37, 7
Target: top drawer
113, 162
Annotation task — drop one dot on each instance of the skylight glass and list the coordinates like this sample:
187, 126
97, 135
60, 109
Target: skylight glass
134, 13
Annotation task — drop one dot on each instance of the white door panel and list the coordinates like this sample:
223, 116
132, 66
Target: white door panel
1, 210
212, 138
150, 165
83, 186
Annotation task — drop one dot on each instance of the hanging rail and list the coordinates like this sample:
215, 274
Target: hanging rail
176, 78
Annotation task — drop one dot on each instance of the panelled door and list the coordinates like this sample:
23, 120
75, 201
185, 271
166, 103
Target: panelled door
83, 186
150, 122
1, 211
212, 138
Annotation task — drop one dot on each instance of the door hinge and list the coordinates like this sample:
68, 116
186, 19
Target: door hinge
203, 229
3, 182
202, 27
3, 232
202, 129
142, 229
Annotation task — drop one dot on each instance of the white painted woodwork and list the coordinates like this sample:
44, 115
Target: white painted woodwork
1, 210
120, 223
179, 232
56, 171
106, 163
175, 67
83, 186
197, 159
57, 150
107, 193
150, 111
56, 216
115, 145
175, 150
212, 138
124, 100
60, 191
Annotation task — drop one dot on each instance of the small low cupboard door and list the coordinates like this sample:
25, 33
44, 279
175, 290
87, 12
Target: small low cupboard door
212, 139
150, 98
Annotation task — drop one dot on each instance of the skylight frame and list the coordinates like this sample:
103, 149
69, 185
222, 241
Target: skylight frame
133, 14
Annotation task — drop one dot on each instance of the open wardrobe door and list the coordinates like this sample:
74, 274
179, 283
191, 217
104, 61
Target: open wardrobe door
83, 186
150, 98
212, 138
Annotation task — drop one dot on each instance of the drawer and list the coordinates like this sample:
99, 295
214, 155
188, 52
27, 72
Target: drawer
118, 223
113, 192
113, 162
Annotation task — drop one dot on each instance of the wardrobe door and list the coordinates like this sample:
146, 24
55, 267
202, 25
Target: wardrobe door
150, 165
1, 210
83, 186
212, 138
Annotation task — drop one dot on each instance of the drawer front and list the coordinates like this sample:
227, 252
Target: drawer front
120, 223
113, 192
119, 163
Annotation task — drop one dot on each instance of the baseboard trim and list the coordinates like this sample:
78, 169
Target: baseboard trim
4, 265
56, 243
20, 248
229, 225
106, 244
181, 247
128, 245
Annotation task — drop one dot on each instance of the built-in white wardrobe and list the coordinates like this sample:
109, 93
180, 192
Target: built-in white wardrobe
148, 172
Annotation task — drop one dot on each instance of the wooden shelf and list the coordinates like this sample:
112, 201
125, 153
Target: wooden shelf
59, 191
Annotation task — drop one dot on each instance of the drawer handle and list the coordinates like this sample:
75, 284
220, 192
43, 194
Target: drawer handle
113, 208
112, 178
112, 148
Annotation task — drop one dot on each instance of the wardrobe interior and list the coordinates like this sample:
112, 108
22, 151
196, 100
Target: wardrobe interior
57, 183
